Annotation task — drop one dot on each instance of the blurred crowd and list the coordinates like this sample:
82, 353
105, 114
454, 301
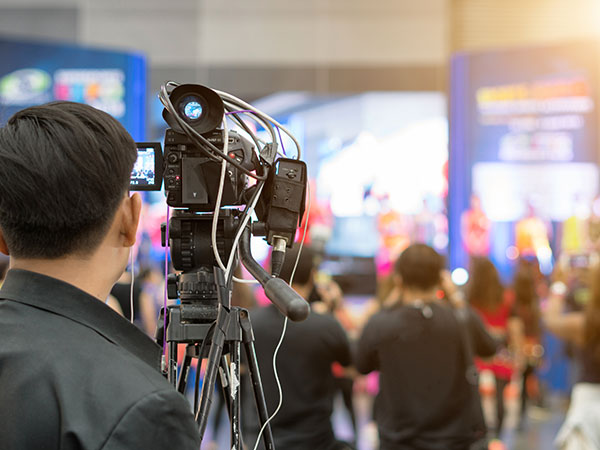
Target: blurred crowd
355, 348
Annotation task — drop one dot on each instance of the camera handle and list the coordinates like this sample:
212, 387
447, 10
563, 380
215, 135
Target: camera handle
289, 303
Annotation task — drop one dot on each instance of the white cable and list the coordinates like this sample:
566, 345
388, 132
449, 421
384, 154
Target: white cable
285, 327
258, 115
260, 120
248, 214
132, 281
232, 98
285, 321
263, 123
213, 233
246, 134
303, 233
242, 227
245, 281
213, 151
240, 104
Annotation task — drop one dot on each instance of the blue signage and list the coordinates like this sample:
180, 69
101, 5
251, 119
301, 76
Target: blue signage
32, 73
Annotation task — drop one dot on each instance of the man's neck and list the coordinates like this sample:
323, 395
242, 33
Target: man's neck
411, 295
80, 272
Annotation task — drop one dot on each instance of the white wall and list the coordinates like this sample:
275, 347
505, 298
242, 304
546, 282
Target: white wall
317, 45
255, 32
323, 32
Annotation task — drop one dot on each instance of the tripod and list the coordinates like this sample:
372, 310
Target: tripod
209, 326
231, 329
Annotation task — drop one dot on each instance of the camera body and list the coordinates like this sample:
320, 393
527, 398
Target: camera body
192, 165
192, 178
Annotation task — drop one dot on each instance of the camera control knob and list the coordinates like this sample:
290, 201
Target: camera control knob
172, 158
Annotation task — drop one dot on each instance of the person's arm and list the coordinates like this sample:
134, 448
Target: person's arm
339, 344
516, 339
159, 421
567, 326
366, 354
484, 344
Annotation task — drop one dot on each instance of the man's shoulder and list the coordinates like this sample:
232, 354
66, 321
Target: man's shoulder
70, 353
387, 315
388, 320
322, 318
319, 324
65, 367
270, 314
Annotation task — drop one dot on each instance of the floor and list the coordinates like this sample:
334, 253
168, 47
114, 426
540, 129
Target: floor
537, 431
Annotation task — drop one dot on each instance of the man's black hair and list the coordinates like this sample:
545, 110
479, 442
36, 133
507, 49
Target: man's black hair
304, 270
64, 168
420, 266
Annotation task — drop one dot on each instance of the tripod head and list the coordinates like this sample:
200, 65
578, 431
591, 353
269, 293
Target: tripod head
192, 254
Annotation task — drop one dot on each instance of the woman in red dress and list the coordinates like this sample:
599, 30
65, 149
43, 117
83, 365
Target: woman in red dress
494, 304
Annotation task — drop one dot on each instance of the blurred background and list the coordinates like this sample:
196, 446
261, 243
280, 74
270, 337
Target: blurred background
470, 125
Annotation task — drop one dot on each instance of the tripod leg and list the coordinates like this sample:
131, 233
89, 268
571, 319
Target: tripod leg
225, 384
214, 356
259, 395
183, 373
172, 369
222, 399
234, 392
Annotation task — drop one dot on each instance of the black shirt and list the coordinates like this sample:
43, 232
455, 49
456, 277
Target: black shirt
76, 375
304, 366
424, 393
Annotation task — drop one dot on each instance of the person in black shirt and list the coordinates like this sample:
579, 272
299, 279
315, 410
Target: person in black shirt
416, 345
304, 365
73, 373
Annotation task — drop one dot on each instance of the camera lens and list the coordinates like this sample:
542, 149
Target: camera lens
192, 109
195, 106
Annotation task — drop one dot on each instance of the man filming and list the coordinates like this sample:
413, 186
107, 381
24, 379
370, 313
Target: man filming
426, 399
74, 374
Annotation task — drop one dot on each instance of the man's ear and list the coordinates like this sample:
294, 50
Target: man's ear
132, 207
3, 246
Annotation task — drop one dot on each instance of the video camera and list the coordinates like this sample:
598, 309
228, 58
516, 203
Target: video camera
194, 150
207, 168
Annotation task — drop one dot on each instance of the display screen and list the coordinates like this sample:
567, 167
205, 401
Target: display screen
523, 153
147, 170
143, 170
32, 73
